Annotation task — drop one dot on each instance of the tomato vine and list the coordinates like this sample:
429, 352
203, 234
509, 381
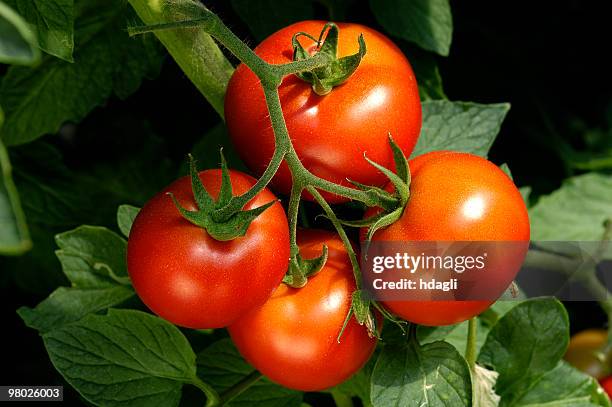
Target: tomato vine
270, 76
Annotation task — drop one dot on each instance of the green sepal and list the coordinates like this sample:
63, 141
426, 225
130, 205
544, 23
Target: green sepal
401, 188
380, 223
382, 198
338, 70
401, 181
402, 169
361, 310
198, 218
235, 225
305, 268
202, 197
225, 193
401, 324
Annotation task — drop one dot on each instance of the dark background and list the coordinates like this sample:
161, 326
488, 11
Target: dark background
550, 60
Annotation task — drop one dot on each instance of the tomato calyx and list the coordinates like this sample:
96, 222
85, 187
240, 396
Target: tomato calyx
338, 70
360, 308
235, 225
392, 203
300, 269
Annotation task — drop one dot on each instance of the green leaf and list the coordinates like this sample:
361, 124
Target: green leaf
17, 42
67, 305
124, 358
53, 23
93, 259
562, 386
39, 100
460, 126
56, 198
14, 234
53, 195
93, 256
267, 16
575, 212
426, 70
408, 374
125, 217
456, 334
358, 385
222, 366
496, 311
525, 193
427, 23
210, 71
526, 342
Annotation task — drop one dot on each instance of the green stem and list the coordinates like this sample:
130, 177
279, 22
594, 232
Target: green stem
240, 387
470, 348
347, 243
317, 61
212, 397
299, 279
271, 78
341, 399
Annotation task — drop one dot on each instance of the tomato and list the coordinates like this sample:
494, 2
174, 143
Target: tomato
187, 277
459, 197
607, 385
329, 133
582, 352
292, 338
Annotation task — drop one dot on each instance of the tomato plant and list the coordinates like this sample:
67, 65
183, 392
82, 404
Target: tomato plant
330, 132
187, 277
353, 112
293, 337
457, 197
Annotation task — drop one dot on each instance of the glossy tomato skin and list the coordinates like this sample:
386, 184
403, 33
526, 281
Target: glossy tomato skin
457, 197
582, 352
330, 133
291, 339
607, 385
192, 280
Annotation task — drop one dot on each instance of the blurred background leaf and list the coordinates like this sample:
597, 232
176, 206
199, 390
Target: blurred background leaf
18, 44
427, 23
14, 235
52, 21
128, 139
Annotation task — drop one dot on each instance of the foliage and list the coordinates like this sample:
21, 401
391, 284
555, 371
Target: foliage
69, 57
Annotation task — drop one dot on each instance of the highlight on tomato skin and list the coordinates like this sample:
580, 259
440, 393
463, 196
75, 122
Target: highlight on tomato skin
444, 185
190, 279
292, 338
330, 133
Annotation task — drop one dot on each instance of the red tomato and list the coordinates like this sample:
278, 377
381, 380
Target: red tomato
607, 385
292, 338
329, 133
458, 197
187, 277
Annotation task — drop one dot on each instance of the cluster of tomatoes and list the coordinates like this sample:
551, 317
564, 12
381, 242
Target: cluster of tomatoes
290, 334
